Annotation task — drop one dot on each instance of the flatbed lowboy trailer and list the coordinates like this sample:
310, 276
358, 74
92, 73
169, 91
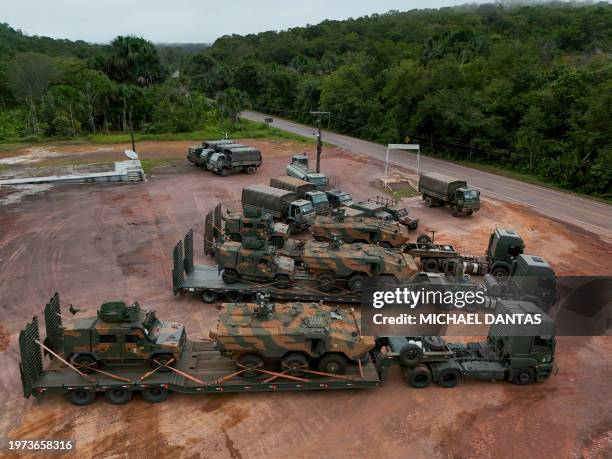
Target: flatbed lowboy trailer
206, 281
201, 368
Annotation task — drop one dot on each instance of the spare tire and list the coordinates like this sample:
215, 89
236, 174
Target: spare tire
435, 343
410, 354
423, 239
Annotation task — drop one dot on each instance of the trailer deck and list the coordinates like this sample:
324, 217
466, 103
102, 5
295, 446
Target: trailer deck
205, 280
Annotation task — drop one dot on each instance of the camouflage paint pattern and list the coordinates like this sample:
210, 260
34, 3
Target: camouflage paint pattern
367, 229
274, 330
344, 260
262, 227
259, 263
147, 335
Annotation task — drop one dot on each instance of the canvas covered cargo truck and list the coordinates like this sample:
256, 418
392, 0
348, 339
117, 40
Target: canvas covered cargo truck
204, 159
283, 205
230, 160
521, 356
440, 189
303, 190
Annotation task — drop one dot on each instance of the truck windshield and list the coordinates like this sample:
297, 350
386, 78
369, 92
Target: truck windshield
149, 324
318, 181
402, 212
470, 195
306, 208
318, 198
215, 157
345, 198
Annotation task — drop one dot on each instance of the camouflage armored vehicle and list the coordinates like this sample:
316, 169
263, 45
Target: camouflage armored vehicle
330, 262
291, 336
253, 259
122, 334
255, 225
365, 230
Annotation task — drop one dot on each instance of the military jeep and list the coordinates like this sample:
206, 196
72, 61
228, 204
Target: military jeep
122, 334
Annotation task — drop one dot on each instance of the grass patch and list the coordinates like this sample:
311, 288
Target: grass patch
3, 167
399, 194
149, 164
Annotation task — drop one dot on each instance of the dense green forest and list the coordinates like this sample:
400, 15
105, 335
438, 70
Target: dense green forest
527, 88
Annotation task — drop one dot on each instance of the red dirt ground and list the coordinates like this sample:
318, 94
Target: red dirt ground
98, 242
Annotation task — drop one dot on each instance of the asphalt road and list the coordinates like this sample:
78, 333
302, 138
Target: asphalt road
586, 213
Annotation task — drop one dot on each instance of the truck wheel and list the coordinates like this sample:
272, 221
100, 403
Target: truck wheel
282, 281
209, 296
81, 397
250, 170
85, 363
233, 296
156, 394
249, 361
333, 363
294, 361
235, 237
355, 283
410, 355
448, 378
277, 241
431, 265
326, 281
385, 244
454, 211
523, 376
429, 202
229, 276
419, 376
118, 395
424, 239
224, 173
470, 212
500, 271
435, 343
163, 359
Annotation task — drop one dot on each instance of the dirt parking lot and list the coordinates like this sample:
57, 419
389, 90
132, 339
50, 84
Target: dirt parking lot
99, 242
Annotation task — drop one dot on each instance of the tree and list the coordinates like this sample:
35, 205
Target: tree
230, 103
29, 75
133, 60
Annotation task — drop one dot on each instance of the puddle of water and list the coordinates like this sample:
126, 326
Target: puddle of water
21, 191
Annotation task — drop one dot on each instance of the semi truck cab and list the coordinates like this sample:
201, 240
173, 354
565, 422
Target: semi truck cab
301, 213
504, 246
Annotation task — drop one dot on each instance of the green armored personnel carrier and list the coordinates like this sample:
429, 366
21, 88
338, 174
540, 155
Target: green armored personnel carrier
120, 334
330, 262
367, 230
294, 335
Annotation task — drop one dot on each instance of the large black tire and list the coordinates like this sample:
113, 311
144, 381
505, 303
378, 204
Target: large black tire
250, 360
118, 395
470, 212
81, 397
85, 362
410, 354
449, 377
162, 359
419, 376
385, 244
454, 212
355, 283
423, 239
524, 376
155, 394
209, 296
500, 271
431, 265
282, 281
326, 281
333, 363
229, 276
277, 241
224, 173
435, 343
295, 361
429, 202
251, 170
233, 296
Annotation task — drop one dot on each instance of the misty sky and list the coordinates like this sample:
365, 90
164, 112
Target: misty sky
197, 21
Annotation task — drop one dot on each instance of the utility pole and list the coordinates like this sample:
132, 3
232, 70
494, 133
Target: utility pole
319, 141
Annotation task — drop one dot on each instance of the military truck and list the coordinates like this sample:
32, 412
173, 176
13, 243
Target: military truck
118, 334
303, 190
299, 168
290, 336
504, 246
283, 205
440, 189
333, 262
252, 223
338, 199
194, 153
204, 159
522, 354
360, 230
400, 214
229, 160
253, 259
